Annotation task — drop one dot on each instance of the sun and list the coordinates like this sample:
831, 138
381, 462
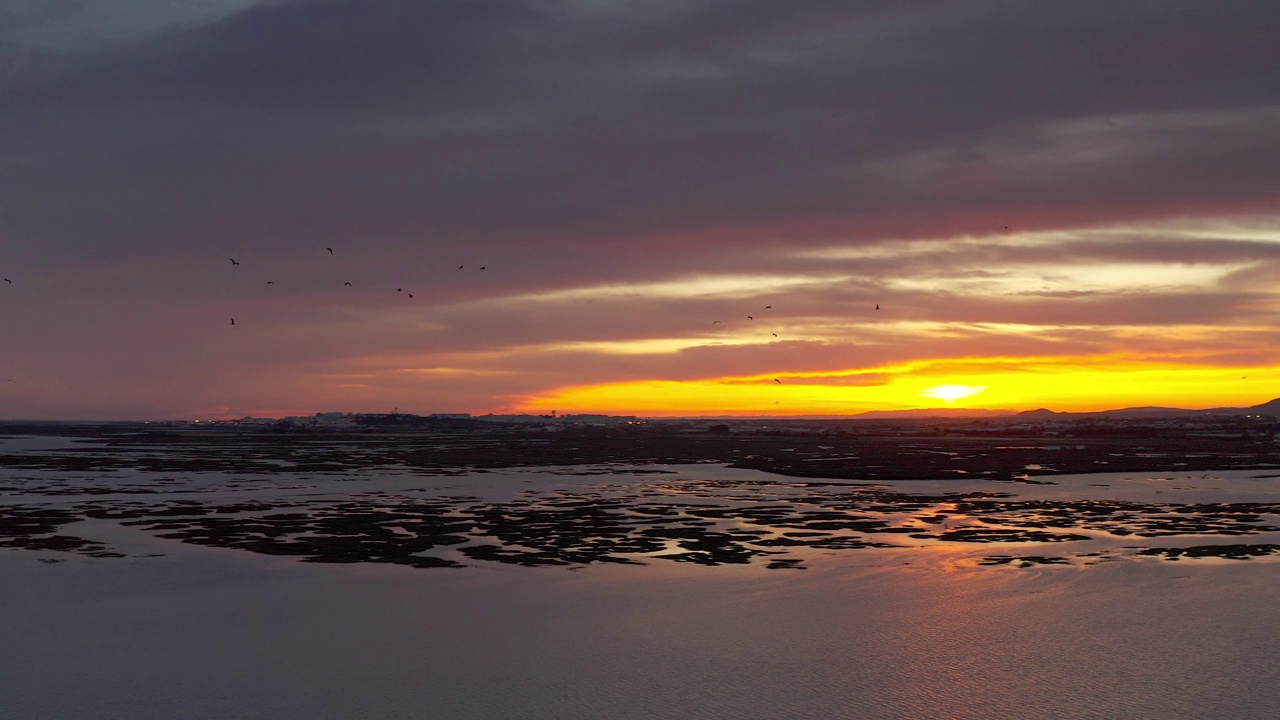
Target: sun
951, 393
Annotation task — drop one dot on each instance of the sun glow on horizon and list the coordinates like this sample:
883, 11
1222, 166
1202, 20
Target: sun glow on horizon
1068, 384
951, 393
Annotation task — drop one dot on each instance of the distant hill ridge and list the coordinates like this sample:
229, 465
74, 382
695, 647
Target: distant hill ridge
1271, 407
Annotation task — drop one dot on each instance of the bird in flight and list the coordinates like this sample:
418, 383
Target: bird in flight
233, 261
233, 321
410, 294
749, 317
8, 281
459, 267
399, 289
775, 334
270, 283
346, 284
768, 307
777, 381
482, 267
877, 307
330, 250
715, 322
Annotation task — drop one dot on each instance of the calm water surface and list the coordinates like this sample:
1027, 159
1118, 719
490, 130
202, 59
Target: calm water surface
207, 632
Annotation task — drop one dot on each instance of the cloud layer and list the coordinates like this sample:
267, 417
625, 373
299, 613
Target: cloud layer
1003, 179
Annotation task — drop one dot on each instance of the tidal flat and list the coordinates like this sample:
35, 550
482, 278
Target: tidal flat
157, 573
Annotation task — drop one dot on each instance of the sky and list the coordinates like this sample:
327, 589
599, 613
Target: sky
676, 207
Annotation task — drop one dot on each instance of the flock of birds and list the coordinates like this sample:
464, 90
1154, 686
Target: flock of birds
236, 263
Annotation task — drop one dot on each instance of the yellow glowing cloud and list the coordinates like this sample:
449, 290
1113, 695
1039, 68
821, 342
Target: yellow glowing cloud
1118, 278
684, 288
446, 372
641, 346
1068, 383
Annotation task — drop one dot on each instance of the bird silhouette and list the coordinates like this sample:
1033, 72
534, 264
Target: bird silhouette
270, 283
768, 307
459, 267
410, 294
233, 261
233, 321
346, 284
8, 281
399, 289
482, 267
877, 307
777, 381
750, 317
715, 322
330, 250
775, 334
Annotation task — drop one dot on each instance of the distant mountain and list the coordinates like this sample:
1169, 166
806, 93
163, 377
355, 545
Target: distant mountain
1271, 407
1038, 414
1146, 411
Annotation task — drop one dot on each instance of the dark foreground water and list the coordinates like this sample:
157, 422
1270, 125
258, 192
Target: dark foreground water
900, 600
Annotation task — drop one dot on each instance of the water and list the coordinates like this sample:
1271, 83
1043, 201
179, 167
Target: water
210, 638
919, 631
